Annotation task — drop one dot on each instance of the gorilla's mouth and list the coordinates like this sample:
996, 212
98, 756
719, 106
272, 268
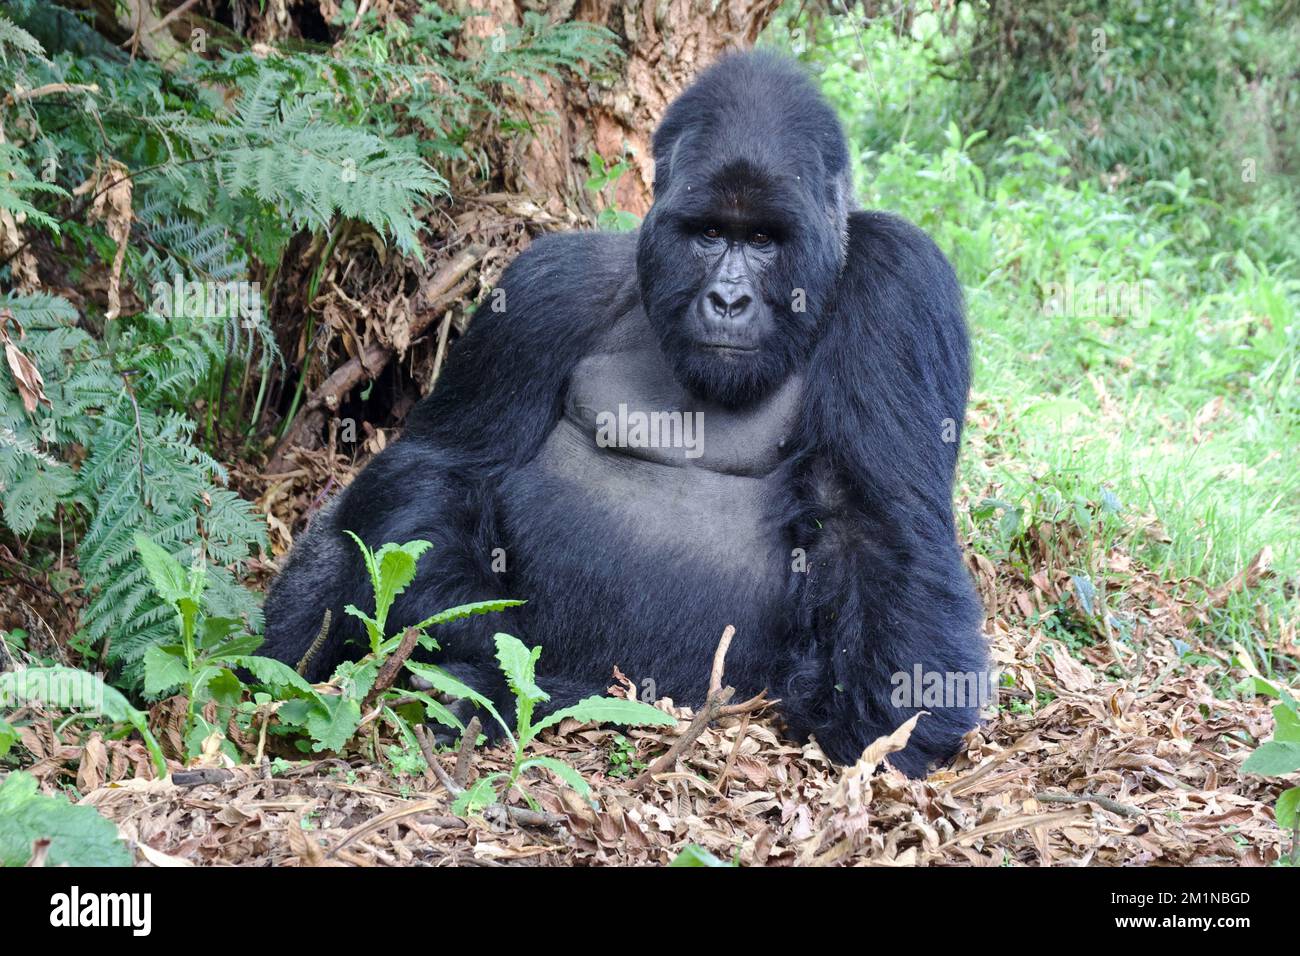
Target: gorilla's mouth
728, 348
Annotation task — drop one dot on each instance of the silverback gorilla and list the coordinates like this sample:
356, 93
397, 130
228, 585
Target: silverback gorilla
745, 413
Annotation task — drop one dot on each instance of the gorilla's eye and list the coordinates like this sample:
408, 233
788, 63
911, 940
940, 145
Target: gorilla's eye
712, 233
759, 239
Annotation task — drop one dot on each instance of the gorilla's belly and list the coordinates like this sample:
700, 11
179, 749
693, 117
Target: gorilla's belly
652, 547
681, 514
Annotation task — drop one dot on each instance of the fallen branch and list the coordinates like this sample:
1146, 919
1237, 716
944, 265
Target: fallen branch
713, 709
1106, 803
720, 659
49, 89
195, 778
747, 707
706, 715
441, 292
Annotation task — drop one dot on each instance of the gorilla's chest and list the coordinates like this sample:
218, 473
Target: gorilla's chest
639, 474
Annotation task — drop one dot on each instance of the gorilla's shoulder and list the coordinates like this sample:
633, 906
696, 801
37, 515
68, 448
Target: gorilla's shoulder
884, 239
567, 259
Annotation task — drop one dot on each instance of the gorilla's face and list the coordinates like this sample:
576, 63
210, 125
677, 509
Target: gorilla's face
738, 258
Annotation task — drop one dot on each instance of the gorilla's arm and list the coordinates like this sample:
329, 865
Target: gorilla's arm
886, 589
437, 482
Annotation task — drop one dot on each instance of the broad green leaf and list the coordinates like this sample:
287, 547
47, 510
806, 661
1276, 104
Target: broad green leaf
70, 689
695, 855
1273, 759
518, 663
8, 737
609, 710
199, 680
1288, 806
272, 673
78, 836
164, 669
168, 576
443, 682
1288, 724
356, 678
371, 623
215, 630
225, 688
241, 645
396, 565
561, 770
333, 722
373, 629
466, 610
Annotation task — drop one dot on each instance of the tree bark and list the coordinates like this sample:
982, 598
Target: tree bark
666, 42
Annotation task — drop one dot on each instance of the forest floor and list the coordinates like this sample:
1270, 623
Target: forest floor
1084, 761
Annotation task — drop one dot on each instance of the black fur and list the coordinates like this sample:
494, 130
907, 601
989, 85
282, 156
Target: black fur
833, 437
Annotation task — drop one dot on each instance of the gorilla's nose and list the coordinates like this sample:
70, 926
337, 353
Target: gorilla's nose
729, 304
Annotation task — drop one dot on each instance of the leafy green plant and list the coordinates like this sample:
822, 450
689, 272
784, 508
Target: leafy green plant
74, 690
623, 762
1280, 756
78, 836
331, 719
202, 663
603, 177
518, 664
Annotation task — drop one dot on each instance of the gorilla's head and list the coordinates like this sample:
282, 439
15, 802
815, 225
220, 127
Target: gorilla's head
739, 255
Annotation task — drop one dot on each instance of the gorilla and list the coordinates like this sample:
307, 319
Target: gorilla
747, 412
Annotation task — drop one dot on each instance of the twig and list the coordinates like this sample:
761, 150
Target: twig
747, 707
195, 778
720, 659
521, 816
426, 748
714, 707
735, 749
706, 715
315, 645
391, 668
467, 741
361, 12
1106, 803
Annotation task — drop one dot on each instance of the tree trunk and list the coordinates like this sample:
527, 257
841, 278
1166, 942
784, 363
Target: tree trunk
666, 42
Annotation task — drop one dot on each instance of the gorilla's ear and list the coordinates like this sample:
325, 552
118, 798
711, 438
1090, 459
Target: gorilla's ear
840, 201
667, 143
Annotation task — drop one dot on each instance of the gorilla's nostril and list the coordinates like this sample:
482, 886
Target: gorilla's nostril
725, 307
